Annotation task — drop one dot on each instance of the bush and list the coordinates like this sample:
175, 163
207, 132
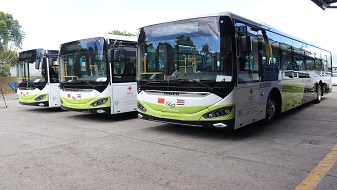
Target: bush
5, 70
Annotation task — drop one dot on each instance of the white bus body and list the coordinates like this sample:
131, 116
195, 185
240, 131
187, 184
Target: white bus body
98, 75
37, 72
224, 70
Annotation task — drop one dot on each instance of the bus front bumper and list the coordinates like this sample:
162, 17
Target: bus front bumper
44, 104
105, 110
208, 124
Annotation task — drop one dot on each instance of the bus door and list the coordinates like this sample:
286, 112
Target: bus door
54, 95
248, 97
248, 107
124, 86
53, 82
124, 96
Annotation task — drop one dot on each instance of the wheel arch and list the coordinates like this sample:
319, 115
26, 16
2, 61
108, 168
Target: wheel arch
322, 86
275, 92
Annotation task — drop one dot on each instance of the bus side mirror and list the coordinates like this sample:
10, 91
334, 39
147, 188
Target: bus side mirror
113, 55
116, 55
110, 55
37, 64
246, 44
50, 62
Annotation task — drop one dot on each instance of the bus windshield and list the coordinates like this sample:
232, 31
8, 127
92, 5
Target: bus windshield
83, 60
188, 49
28, 73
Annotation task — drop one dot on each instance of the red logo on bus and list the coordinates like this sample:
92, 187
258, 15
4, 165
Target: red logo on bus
161, 100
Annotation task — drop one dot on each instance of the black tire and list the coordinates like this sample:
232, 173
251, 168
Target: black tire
271, 109
318, 94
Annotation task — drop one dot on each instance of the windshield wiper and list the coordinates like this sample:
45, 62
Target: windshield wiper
32, 84
151, 82
93, 86
205, 85
197, 81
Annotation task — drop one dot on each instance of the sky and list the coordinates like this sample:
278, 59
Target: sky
49, 23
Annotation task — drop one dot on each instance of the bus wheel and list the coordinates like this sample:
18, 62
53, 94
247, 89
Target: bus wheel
319, 94
271, 109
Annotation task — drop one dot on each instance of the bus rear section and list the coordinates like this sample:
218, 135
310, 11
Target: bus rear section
98, 75
225, 71
37, 72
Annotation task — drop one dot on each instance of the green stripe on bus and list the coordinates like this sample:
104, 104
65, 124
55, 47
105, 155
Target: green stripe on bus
185, 113
84, 103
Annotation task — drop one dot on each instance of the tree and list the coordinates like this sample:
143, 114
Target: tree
11, 38
8, 56
122, 33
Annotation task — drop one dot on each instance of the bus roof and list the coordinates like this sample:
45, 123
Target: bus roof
118, 37
38, 50
110, 37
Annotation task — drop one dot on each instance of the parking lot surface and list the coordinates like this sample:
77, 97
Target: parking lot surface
47, 148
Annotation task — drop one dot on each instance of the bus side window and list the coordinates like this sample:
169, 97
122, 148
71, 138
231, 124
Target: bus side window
269, 55
298, 51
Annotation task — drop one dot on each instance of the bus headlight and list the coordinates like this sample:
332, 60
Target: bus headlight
99, 102
39, 98
140, 107
218, 113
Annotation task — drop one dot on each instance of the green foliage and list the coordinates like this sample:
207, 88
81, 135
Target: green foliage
5, 70
122, 33
11, 38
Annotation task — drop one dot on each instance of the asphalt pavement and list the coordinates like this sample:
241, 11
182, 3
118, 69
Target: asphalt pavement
47, 148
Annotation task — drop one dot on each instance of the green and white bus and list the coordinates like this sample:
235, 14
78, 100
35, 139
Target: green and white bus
224, 70
38, 80
98, 75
